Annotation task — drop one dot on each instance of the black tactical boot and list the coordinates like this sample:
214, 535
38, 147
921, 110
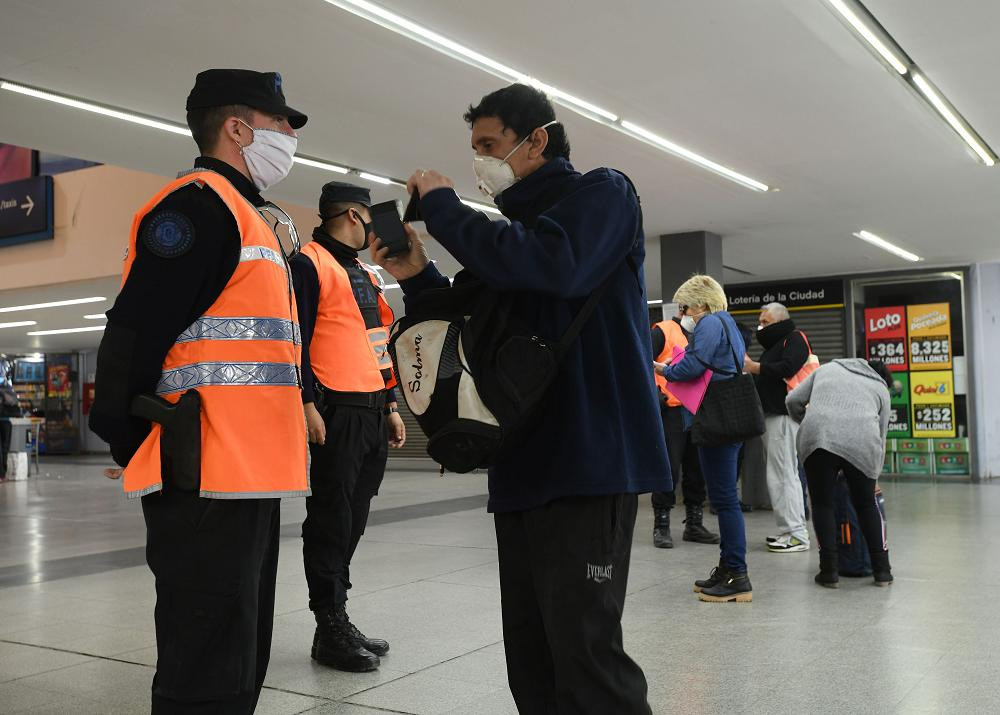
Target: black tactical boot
828, 575
333, 645
734, 587
694, 529
374, 645
718, 573
661, 529
881, 571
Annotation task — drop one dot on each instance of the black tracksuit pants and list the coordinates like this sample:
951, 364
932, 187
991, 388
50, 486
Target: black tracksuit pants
563, 573
346, 473
683, 459
821, 470
215, 562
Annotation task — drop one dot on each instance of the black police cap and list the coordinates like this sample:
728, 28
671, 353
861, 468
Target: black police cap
260, 90
341, 192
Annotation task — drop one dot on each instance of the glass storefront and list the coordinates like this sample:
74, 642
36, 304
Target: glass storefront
915, 324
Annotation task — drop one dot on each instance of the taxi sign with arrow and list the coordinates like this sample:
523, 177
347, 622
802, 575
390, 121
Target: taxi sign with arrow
26, 211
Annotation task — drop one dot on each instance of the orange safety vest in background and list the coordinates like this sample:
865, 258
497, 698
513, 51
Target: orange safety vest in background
675, 336
243, 356
345, 356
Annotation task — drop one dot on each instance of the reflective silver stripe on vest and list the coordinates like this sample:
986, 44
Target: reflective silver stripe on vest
261, 253
210, 328
379, 340
204, 374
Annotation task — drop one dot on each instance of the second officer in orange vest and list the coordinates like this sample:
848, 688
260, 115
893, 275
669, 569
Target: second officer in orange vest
351, 413
666, 336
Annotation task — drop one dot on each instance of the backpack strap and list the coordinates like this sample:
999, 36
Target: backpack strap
588, 308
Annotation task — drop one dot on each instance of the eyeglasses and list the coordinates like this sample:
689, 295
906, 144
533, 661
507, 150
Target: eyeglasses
282, 219
683, 308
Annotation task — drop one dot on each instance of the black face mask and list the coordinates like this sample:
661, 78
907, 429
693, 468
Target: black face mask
364, 224
769, 336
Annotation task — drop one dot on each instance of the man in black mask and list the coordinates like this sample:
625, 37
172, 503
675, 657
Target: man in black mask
350, 406
785, 352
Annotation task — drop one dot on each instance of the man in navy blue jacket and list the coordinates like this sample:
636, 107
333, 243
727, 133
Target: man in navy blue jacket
565, 501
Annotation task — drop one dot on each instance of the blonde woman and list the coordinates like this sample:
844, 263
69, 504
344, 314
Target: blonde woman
716, 344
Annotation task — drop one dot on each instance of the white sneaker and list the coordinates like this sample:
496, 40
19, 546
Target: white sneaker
773, 539
787, 544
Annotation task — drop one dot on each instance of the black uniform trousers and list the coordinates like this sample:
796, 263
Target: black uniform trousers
563, 572
346, 473
683, 459
215, 563
6, 433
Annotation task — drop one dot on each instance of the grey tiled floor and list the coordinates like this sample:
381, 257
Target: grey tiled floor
84, 643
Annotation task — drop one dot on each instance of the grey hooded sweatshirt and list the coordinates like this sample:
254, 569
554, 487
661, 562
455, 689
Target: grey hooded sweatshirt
848, 414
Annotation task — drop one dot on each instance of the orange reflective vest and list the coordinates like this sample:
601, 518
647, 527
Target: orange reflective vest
675, 336
345, 356
243, 356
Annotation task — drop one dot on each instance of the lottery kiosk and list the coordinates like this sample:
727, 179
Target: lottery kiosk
915, 324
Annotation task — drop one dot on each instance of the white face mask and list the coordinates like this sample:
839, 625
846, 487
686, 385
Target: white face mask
687, 322
269, 157
496, 175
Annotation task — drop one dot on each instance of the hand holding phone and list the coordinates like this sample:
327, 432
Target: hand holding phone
388, 228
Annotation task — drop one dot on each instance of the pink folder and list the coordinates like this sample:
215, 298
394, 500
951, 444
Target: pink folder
691, 392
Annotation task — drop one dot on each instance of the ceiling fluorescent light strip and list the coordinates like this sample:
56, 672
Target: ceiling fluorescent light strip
670, 147
886, 246
944, 108
893, 58
377, 179
19, 324
411, 30
177, 129
53, 304
95, 108
390, 21
868, 28
317, 164
64, 331
95, 316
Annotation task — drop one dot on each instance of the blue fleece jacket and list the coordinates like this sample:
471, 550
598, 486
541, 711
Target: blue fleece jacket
714, 341
600, 431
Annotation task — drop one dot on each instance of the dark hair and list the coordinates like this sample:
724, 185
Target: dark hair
523, 109
883, 372
206, 123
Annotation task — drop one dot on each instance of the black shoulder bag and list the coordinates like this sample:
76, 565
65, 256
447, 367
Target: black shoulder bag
731, 411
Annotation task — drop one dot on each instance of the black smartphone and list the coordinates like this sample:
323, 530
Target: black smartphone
412, 212
388, 228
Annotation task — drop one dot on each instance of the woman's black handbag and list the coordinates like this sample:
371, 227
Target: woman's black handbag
731, 411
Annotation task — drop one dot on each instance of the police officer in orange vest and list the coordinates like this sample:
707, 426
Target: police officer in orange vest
351, 412
198, 393
666, 336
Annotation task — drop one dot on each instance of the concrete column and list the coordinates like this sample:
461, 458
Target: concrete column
982, 333
682, 254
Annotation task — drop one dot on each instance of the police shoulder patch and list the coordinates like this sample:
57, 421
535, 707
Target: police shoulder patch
168, 234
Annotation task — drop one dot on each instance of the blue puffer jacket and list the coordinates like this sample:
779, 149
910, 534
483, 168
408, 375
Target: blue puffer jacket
716, 341
600, 433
